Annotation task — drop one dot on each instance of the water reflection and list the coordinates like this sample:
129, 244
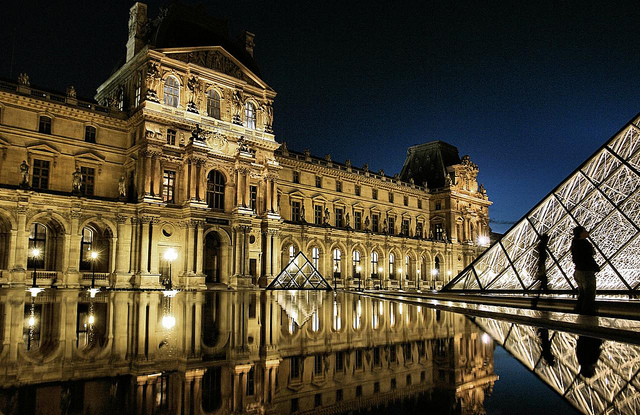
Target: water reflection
595, 376
145, 352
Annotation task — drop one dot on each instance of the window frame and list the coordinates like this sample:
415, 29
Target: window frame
171, 91
213, 104
44, 124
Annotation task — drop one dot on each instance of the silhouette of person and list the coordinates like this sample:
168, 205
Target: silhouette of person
541, 274
588, 353
545, 344
585, 273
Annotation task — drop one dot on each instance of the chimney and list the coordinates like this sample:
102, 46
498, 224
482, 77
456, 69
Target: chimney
137, 20
248, 42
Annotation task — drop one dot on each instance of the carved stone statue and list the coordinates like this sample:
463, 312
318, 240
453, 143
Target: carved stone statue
430, 233
348, 219
307, 153
482, 190
193, 85
237, 107
384, 226
243, 146
327, 157
412, 181
122, 187
71, 91
23, 79
348, 163
152, 81
327, 216
77, 180
381, 172
302, 213
198, 134
366, 223
365, 168
268, 118
447, 180
444, 235
24, 174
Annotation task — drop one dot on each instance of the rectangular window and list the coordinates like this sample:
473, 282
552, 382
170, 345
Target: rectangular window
357, 220
376, 357
295, 406
338, 217
40, 179
294, 363
405, 227
317, 214
318, 182
374, 193
438, 205
375, 223
296, 177
169, 186
390, 197
295, 211
359, 361
317, 365
253, 197
88, 180
392, 226
44, 125
406, 200
138, 90
438, 231
419, 230
251, 382
338, 186
407, 352
357, 190
90, 134
171, 137
419, 203
339, 361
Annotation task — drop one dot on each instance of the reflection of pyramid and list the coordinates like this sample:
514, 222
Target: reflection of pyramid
614, 387
299, 274
300, 305
602, 195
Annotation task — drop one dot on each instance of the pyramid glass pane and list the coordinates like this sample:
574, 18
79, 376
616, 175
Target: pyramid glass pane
299, 274
604, 197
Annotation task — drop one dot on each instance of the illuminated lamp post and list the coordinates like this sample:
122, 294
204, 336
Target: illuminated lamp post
170, 255
35, 290
93, 290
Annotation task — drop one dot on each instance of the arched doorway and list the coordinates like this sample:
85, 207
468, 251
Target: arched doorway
212, 257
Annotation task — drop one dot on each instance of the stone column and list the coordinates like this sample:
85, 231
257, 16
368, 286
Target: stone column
144, 246
198, 322
267, 186
274, 197
154, 236
143, 300
192, 179
159, 176
247, 184
268, 252
22, 240
123, 245
203, 182
200, 249
245, 264
189, 259
238, 188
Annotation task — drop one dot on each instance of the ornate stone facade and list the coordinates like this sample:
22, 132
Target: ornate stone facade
179, 153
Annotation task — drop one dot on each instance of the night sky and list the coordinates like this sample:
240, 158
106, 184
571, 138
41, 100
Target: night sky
527, 91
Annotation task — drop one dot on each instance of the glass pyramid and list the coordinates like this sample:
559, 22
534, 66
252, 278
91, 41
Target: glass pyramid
299, 274
602, 195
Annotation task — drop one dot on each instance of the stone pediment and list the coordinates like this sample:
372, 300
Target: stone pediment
339, 201
319, 197
43, 149
90, 156
217, 59
296, 193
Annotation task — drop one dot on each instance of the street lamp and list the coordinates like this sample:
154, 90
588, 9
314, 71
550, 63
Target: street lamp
170, 255
93, 290
35, 290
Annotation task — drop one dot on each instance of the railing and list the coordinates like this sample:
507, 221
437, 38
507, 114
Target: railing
99, 276
46, 275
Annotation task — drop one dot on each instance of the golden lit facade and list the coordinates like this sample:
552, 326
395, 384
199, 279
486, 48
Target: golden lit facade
179, 155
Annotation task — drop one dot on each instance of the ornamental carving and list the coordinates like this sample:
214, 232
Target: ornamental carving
215, 60
152, 81
218, 142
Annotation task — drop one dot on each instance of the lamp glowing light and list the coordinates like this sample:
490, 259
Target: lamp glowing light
35, 252
92, 319
483, 240
380, 270
32, 321
170, 255
93, 291
35, 291
434, 272
168, 322
486, 338
94, 255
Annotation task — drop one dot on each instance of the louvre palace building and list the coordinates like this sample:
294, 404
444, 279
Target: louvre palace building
178, 155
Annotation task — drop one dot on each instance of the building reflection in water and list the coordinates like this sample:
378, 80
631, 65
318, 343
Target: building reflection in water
253, 352
595, 376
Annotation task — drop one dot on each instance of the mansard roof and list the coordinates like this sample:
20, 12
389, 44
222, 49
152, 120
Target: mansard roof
182, 25
428, 162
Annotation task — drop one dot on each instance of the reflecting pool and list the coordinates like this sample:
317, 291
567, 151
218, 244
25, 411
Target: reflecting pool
68, 352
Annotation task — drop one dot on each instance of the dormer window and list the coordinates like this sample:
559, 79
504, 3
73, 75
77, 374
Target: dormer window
44, 125
171, 91
249, 115
90, 134
213, 104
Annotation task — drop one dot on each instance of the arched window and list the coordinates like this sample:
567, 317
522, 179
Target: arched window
374, 263
292, 253
337, 316
357, 269
315, 256
315, 322
392, 266
86, 245
171, 91
37, 241
337, 257
215, 190
436, 269
406, 266
249, 115
213, 104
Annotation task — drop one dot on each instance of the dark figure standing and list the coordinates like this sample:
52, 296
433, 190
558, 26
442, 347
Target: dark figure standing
586, 268
588, 353
542, 262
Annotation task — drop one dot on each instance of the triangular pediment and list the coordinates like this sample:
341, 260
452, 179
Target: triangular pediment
296, 193
318, 197
215, 58
299, 274
358, 205
90, 156
339, 201
601, 195
43, 148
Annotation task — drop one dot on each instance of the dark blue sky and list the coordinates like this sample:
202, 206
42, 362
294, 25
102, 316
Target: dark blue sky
528, 91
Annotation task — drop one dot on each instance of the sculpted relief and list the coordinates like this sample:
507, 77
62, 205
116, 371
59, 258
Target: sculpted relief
215, 60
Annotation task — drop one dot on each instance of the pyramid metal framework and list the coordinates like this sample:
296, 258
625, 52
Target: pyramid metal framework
299, 274
603, 196
615, 386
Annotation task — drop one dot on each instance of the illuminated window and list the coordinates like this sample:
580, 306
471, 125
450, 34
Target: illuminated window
215, 190
213, 104
37, 239
249, 115
168, 186
86, 244
337, 258
356, 264
138, 90
171, 91
374, 263
392, 266
315, 256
